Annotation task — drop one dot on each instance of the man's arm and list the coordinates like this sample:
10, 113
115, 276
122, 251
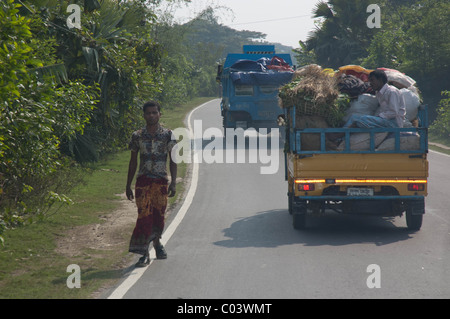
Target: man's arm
132, 166
392, 100
173, 176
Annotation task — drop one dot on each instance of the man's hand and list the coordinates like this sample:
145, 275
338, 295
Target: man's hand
172, 189
129, 193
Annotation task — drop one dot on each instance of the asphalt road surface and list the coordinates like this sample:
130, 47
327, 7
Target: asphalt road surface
236, 240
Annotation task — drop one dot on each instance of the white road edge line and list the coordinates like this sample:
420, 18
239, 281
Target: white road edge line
137, 273
437, 152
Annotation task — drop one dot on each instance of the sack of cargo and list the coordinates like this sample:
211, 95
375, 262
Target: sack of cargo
310, 87
310, 141
412, 103
361, 141
357, 71
313, 92
329, 72
366, 104
398, 79
279, 64
353, 86
248, 65
408, 141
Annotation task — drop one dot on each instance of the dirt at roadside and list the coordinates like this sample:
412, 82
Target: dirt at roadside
113, 233
102, 236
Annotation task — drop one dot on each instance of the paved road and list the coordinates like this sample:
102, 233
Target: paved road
237, 241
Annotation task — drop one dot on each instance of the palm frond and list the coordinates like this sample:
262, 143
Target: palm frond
91, 5
92, 59
322, 10
56, 73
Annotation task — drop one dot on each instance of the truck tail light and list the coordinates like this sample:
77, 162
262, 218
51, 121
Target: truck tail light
306, 187
416, 187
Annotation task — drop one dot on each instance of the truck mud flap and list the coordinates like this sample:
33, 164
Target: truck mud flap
416, 207
370, 207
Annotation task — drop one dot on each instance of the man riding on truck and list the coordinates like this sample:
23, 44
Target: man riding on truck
392, 109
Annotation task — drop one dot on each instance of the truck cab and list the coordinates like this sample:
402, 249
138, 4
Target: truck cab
249, 86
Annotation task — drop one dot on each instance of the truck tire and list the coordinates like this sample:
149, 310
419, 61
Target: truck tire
298, 214
299, 221
414, 214
290, 203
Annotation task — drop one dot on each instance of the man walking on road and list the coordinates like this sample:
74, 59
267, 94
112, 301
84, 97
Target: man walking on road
154, 143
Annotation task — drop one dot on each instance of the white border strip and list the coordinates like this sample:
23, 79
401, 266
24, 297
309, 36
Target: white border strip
137, 273
437, 152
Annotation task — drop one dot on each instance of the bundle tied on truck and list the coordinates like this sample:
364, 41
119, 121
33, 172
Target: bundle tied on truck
366, 103
325, 98
318, 103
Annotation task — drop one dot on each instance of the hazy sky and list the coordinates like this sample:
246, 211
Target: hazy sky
284, 21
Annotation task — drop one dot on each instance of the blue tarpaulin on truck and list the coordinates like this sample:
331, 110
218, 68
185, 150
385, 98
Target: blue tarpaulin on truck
248, 65
249, 72
261, 78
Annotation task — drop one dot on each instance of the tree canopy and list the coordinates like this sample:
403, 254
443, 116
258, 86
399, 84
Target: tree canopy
71, 95
414, 38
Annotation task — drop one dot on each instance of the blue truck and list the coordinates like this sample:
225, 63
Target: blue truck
249, 86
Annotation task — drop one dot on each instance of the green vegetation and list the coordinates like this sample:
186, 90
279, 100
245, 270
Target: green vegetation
441, 127
73, 96
70, 99
414, 38
34, 258
32, 264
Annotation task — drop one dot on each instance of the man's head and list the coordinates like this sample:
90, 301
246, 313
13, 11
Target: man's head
377, 79
152, 112
151, 104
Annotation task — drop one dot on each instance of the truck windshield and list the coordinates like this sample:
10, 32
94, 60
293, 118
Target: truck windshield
243, 90
268, 89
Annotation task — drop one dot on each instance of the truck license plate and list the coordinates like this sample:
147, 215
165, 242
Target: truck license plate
354, 191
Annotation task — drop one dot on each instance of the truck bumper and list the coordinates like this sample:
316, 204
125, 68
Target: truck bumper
374, 198
365, 205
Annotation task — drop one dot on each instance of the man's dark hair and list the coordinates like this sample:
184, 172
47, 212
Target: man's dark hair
151, 104
380, 75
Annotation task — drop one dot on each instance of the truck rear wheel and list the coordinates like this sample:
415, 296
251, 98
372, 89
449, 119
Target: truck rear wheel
290, 203
414, 222
298, 214
299, 221
414, 214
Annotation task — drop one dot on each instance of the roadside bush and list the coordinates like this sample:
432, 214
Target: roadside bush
441, 126
36, 113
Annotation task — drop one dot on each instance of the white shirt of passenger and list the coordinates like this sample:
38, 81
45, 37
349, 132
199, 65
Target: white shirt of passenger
392, 104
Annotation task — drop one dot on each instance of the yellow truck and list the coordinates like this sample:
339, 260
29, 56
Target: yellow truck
375, 171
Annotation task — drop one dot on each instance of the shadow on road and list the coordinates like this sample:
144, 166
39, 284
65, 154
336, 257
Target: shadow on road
274, 228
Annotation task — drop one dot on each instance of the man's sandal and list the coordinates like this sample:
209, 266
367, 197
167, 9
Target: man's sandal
160, 252
143, 261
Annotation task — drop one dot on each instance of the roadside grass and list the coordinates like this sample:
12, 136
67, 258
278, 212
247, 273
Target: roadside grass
435, 142
32, 267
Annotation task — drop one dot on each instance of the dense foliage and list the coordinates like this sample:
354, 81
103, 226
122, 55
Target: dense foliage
68, 95
32, 121
441, 126
71, 95
414, 38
